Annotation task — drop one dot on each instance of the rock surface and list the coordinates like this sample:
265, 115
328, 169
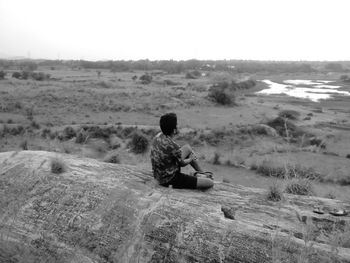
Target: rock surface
100, 212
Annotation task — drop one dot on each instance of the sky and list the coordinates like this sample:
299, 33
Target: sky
176, 29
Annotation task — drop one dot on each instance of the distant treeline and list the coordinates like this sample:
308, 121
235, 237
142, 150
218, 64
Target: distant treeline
172, 66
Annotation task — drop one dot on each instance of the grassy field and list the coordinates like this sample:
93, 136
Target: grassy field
93, 113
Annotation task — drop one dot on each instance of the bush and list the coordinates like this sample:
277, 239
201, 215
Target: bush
274, 193
190, 75
2, 74
35, 125
45, 133
69, 133
221, 95
216, 159
289, 114
146, 79
24, 145
344, 78
16, 75
57, 166
25, 75
282, 126
266, 168
139, 142
39, 76
299, 187
81, 136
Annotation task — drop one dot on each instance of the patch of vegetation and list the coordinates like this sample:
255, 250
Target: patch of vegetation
39, 76
299, 186
169, 82
267, 168
216, 159
345, 78
221, 95
286, 128
289, 114
45, 133
193, 74
139, 142
146, 79
104, 84
24, 145
57, 166
2, 74
274, 193
35, 125
69, 133
82, 136
112, 158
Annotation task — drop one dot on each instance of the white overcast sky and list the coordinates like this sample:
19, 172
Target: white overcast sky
176, 29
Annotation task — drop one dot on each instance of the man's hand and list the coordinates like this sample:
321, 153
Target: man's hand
191, 157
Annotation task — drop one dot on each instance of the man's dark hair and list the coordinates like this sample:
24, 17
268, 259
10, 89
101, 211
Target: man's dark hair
168, 123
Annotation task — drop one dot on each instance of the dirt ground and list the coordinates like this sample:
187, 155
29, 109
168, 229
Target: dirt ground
82, 97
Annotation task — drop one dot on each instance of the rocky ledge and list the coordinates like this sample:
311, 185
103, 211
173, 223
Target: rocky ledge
100, 212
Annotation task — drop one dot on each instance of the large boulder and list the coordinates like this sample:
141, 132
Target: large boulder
100, 212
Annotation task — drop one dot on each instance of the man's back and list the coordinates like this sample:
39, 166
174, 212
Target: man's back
165, 154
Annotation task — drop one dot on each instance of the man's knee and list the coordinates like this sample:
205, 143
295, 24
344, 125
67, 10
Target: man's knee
204, 183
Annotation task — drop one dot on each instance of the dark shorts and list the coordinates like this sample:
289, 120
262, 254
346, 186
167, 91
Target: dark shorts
183, 181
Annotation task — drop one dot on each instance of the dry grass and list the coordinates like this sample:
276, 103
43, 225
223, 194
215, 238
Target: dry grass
139, 142
299, 187
275, 192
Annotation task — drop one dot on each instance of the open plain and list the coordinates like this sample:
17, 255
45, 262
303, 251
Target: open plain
285, 142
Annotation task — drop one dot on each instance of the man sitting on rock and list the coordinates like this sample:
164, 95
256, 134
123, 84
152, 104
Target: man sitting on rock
168, 157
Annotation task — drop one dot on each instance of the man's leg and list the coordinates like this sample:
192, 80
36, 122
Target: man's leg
204, 183
186, 150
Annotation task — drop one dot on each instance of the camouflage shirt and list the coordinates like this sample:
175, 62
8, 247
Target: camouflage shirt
165, 156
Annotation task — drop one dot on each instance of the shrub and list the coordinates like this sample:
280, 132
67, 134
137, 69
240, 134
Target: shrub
284, 126
39, 76
69, 133
112, 158
81, 136
170, 82
29, 112
25, 75
57, 166
289, 114
348, 155
139, 142
24, 145
35, 125
299, 187
266, 168
45, 133
146, 79
104, 84
221, 95
2, 74
190, 75
344, 78
274, 193
216, 158
16, 75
